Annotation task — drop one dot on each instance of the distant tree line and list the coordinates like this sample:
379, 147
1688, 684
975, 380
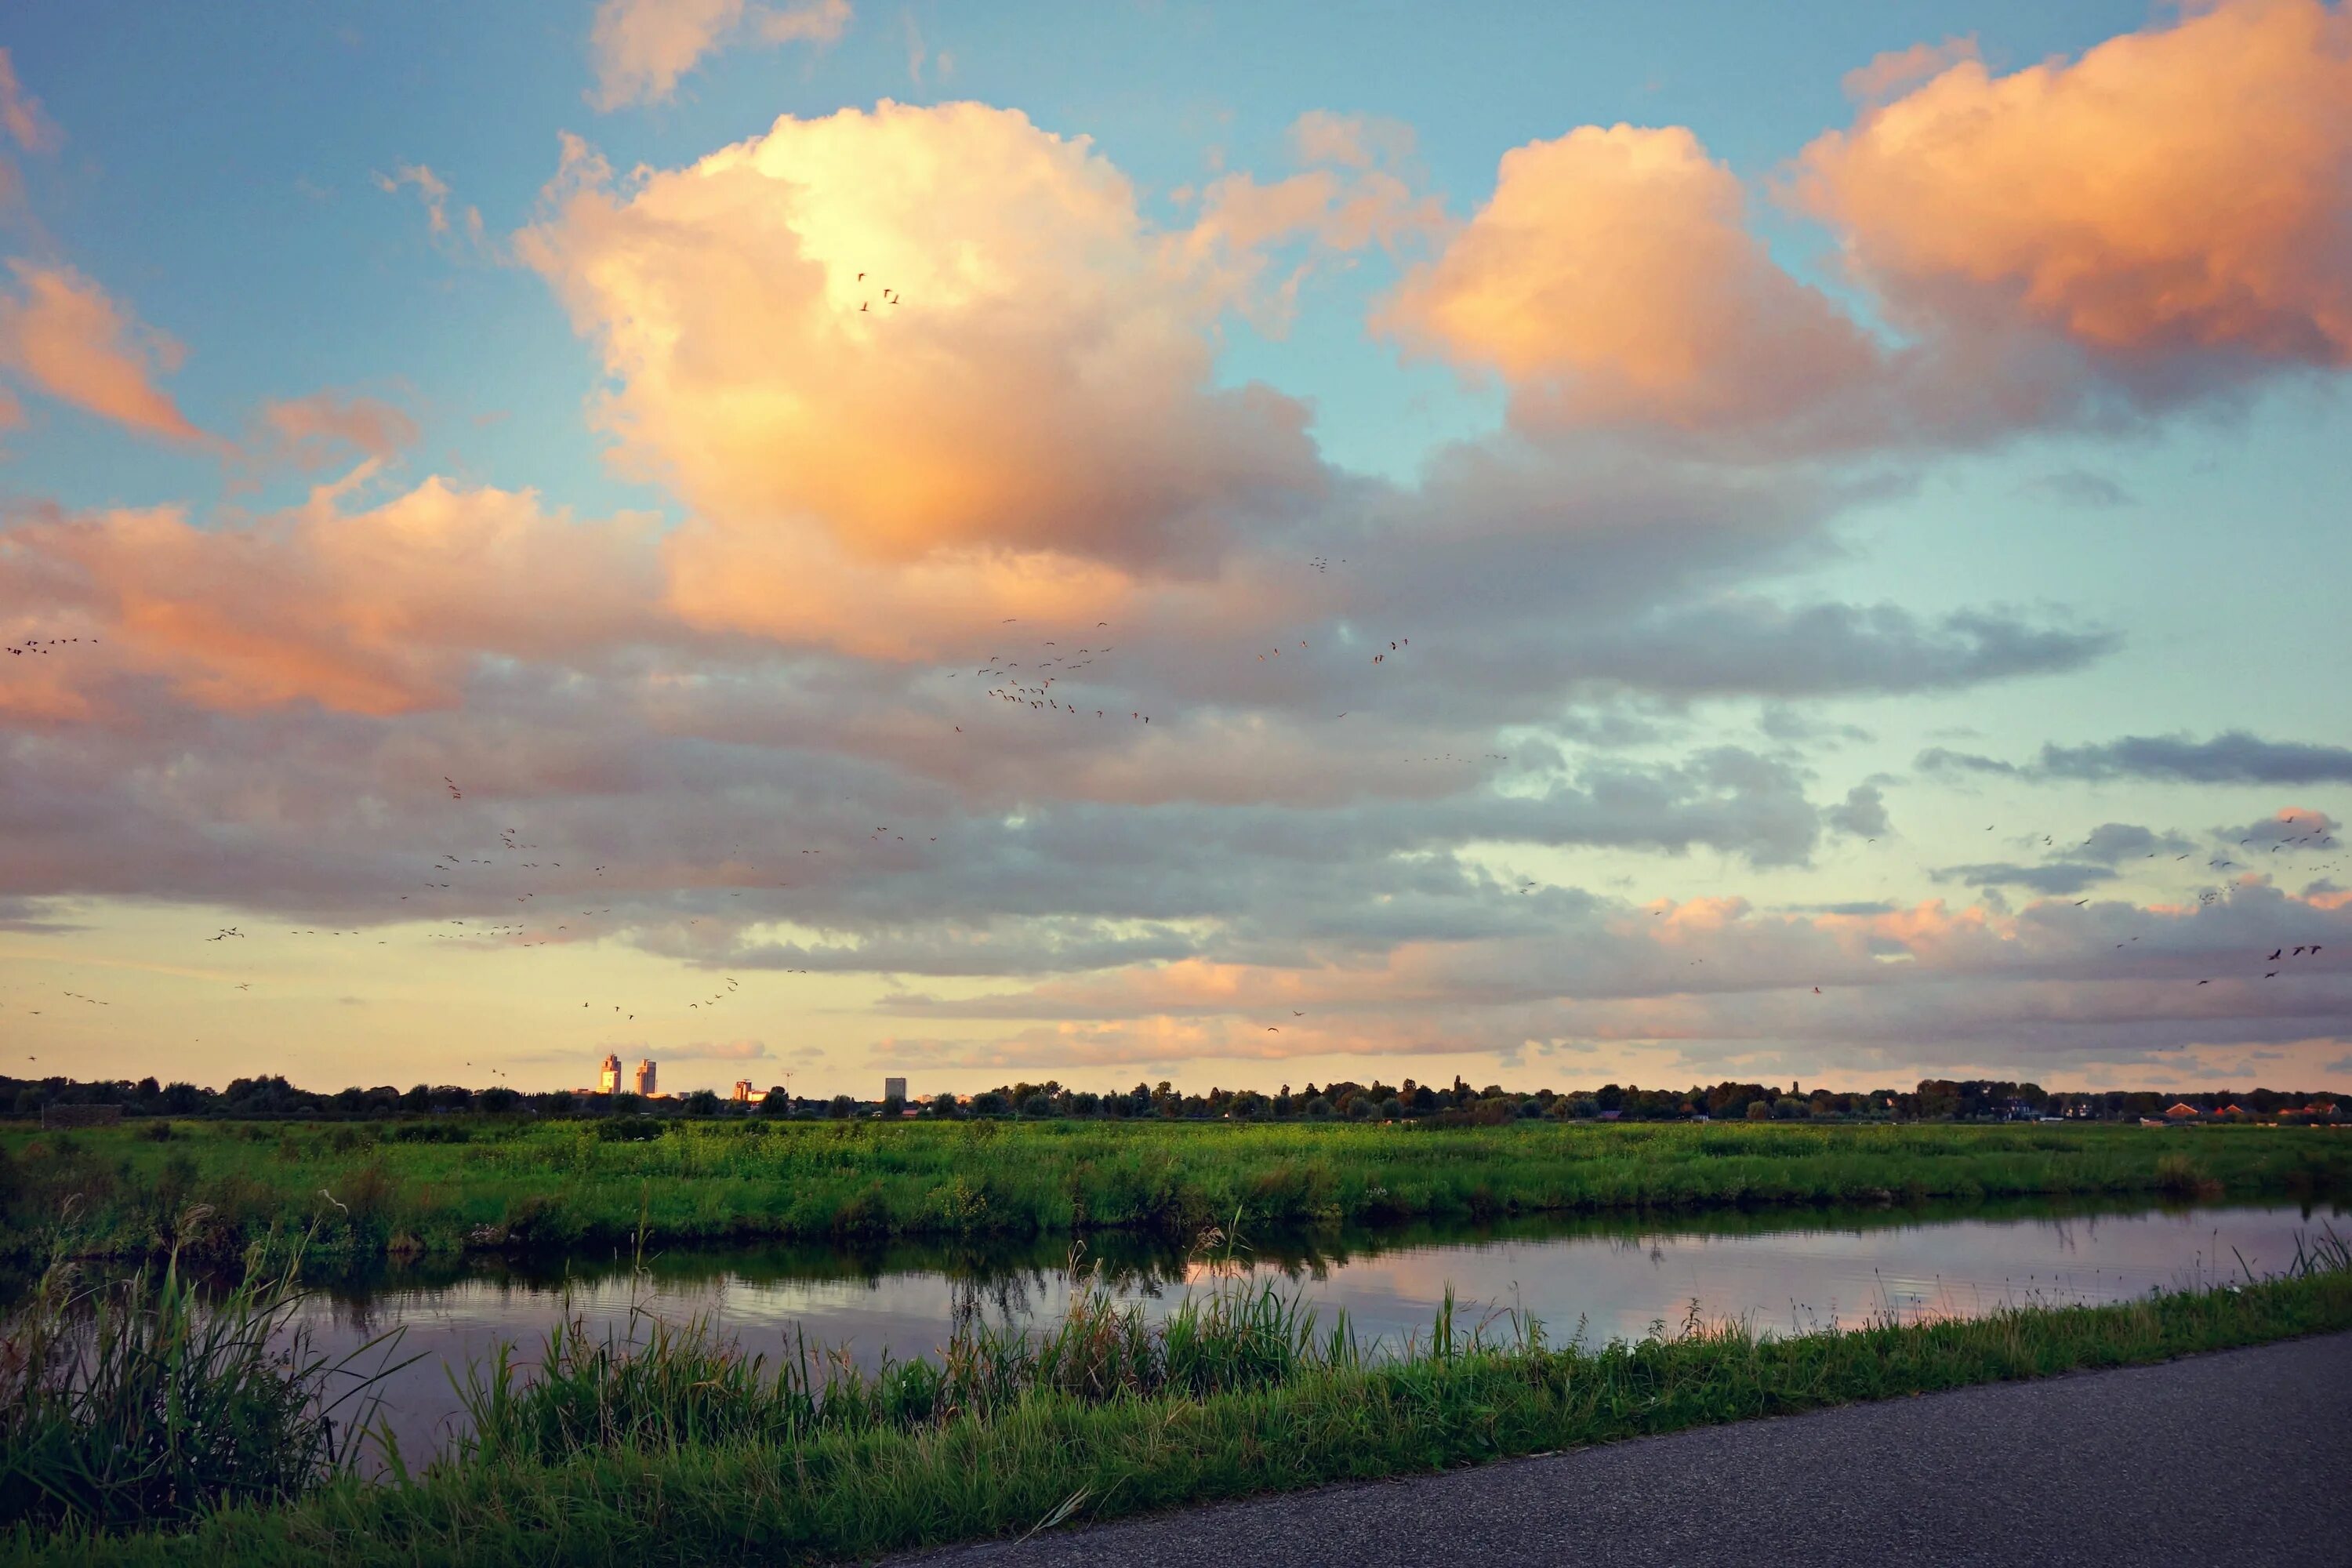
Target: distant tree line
1456, 1105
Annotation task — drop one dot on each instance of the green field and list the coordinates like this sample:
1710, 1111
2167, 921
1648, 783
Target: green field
372, 1190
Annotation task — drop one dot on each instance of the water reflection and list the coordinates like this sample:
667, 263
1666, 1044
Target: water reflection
1590, 1277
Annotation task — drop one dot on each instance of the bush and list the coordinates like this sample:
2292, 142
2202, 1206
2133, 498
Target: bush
1757, 1110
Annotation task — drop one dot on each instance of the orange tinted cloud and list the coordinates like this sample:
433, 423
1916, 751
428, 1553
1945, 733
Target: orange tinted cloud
313, 431
61, 332
2188, 189
21, 115
378, 611
914, 331
641, 47
1609, 280
1891, 72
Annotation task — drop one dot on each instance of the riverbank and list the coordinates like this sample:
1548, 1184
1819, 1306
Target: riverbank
368, 1191
677, 1448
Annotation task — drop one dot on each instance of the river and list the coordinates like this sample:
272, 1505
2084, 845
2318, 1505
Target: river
1596, 1278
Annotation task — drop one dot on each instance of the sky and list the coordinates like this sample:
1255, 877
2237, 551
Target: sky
811, 539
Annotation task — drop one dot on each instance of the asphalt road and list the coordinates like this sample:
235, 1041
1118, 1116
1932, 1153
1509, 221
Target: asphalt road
2243, 1458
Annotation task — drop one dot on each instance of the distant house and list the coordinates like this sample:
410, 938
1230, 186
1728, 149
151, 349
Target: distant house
2182, 1109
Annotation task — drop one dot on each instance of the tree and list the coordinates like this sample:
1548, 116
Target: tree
842, 1108
497, 1101
944, 1106
1757, 1110
702, 1102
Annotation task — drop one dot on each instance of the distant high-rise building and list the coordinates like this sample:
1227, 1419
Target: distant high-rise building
608, 1081
644, 1078
743, 1095
895, 1088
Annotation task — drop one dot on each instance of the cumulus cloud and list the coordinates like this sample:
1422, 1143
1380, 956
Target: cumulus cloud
1889, 73
2020, 239
62, 333
1717, 982
2058, 879
919, 335
1743, 646
2176, 198
641, 48
433, 191
2113, 841
1360, 188
1609, 280
1862, 813
2289, 824
2231, 757
311, 432
377, 611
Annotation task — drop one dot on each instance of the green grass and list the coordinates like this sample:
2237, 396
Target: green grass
136, 1401
671, 1447
372, 1190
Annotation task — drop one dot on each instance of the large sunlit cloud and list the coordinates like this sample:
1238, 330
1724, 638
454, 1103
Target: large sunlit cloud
1611, 279
641, 47
2178, 194
64, 336
915, 331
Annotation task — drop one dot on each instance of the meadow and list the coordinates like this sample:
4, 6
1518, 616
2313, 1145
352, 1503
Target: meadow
180, 1443
371, 1190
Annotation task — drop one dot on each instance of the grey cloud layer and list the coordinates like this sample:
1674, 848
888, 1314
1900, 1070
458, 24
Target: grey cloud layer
2231, 757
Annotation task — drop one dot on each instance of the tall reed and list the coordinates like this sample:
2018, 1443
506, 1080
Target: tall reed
137, 1401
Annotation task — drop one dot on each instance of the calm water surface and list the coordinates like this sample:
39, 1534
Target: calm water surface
1600, 1279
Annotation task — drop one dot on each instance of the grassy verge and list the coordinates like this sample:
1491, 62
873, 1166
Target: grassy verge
480, 1183
673, 1448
